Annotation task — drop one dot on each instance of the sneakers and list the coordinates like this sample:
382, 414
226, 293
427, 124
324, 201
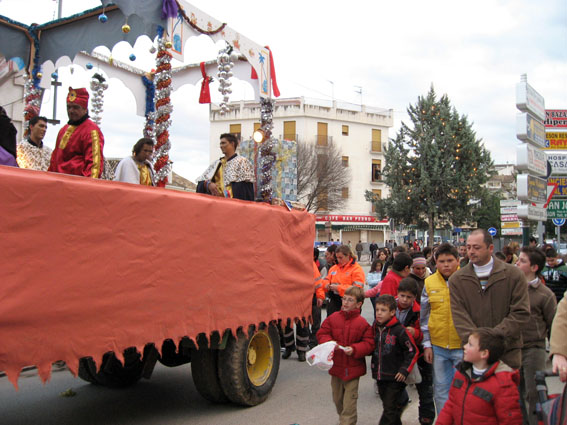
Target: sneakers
287, 353
301, 356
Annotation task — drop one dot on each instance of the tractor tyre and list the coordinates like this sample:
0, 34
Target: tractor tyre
249, 365
204, 369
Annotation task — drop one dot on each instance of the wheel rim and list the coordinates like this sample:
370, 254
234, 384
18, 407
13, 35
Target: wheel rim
259, 358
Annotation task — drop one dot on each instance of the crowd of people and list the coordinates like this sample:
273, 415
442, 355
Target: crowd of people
469, 329
79, 150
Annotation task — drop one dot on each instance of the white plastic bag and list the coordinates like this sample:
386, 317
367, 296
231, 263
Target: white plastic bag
414, 376
322, 355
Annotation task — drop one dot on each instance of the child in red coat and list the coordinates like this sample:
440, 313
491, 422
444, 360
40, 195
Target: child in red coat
484, 390
353, 333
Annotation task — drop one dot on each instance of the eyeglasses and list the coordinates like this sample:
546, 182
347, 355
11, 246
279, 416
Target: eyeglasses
349, 300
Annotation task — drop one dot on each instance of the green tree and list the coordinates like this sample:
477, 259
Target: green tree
434, 167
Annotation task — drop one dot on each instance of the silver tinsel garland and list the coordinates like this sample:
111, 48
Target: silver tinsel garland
98, 86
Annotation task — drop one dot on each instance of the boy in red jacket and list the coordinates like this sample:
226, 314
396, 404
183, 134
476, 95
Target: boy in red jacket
484, 390
354, 337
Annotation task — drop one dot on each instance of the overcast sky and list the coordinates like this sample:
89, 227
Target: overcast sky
473, 51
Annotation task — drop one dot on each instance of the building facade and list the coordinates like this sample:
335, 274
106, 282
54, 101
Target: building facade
360, 132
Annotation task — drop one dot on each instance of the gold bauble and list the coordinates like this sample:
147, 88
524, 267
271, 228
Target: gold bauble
125, 28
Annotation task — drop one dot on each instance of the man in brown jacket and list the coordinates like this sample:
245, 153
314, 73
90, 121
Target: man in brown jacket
488, 293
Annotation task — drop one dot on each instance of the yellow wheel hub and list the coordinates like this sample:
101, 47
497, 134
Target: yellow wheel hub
260, 358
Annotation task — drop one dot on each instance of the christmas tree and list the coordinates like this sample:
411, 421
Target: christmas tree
434, 167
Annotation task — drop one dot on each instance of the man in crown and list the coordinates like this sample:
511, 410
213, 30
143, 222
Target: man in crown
80, 142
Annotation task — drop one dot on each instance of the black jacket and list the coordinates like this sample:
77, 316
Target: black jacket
395, 351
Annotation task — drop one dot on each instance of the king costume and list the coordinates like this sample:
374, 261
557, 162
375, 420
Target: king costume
79, 145
234, 176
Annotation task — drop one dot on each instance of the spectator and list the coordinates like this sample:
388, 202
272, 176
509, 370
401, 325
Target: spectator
32, 153
490, 294
7, 140
441, 343
395, 354
542, 310
359, 248
80, 143
348, 360
555, 273
485, 389
558, 340
137, 169
231, 176
346, 273
407, 313
400, 269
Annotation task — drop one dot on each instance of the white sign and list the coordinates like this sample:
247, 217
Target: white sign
511, 232
530, 129
529, 100
558, 163
509, 217
508, 210
510, 202
530, 212
531, 159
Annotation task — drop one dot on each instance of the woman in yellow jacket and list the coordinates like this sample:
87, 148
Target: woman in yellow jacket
342, 276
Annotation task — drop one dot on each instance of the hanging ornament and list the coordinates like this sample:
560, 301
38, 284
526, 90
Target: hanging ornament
126, 27
225, 64
102, 18
132, 57
98, 85
89, 65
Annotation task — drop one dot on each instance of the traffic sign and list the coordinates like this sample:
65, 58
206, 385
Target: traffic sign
492, 231
557, 208
559, 221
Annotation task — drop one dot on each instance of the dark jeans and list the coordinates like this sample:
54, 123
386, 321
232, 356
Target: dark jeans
316, 325
390, 393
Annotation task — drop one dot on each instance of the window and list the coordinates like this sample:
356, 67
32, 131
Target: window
236, 129
289, 132
322, 135
376, 140
376, 170
378, 194
345, 192
345, 130
345, 161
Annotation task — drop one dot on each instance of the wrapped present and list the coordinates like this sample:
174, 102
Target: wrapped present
284, 174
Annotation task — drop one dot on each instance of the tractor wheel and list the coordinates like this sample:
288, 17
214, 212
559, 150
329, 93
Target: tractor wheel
204, 368
112, 373
248, 366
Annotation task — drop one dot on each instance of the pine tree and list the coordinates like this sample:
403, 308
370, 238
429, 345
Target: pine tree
434, 167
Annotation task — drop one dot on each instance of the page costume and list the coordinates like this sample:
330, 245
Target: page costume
131, 171
235, 177
32, 156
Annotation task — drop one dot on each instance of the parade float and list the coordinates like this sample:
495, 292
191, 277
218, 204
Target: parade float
112, 278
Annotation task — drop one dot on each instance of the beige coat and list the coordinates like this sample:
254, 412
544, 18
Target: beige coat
559, 330
503, 305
